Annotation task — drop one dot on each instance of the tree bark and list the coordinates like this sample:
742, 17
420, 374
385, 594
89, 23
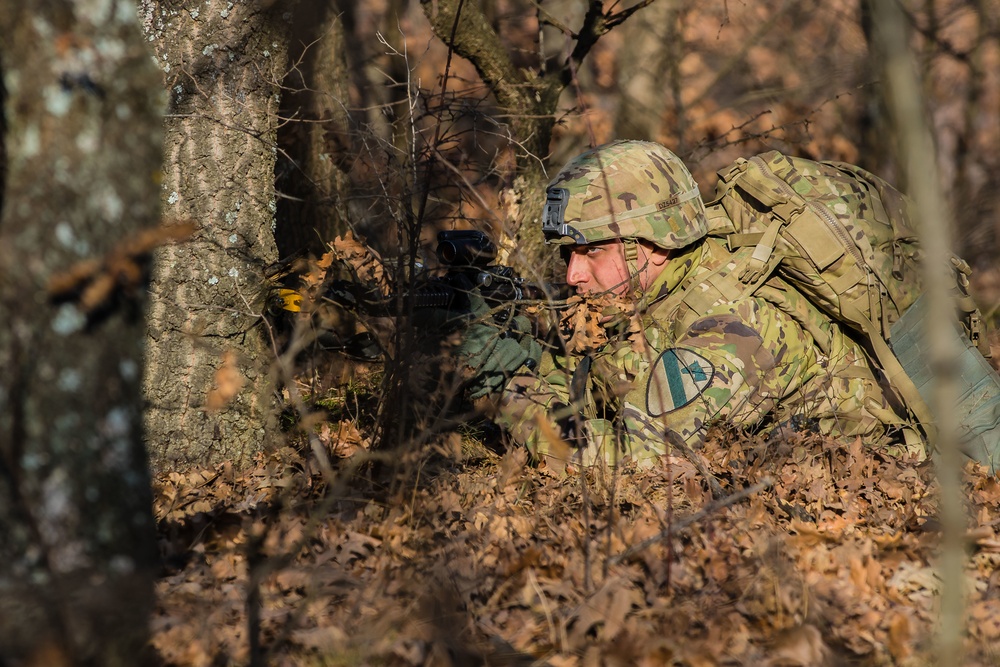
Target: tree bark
208, 388
315, 137
82, 121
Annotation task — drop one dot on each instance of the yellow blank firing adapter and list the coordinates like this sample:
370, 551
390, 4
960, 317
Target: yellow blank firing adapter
289, 300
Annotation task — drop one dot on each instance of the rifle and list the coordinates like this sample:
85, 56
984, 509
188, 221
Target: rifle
468, 256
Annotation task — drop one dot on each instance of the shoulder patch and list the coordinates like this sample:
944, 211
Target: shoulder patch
677, 377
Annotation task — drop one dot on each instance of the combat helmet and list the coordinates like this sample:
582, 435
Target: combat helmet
627, 190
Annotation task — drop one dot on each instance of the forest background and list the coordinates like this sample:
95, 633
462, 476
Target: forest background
172, 454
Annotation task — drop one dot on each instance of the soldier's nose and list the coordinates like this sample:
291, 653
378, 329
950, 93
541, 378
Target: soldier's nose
575, 274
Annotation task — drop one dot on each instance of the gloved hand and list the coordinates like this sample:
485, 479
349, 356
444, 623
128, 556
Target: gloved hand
491, 353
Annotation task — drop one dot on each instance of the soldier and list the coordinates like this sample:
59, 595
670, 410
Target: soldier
630, 222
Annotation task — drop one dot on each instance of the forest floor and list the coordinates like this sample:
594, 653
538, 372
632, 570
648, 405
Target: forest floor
818, 552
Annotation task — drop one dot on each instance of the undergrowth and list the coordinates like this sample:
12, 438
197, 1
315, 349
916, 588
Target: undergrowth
462, 552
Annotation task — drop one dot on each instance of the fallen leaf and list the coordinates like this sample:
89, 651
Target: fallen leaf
227, 384
900, 637
802, 646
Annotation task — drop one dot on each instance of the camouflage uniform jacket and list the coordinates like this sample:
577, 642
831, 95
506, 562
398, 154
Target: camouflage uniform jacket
756, 361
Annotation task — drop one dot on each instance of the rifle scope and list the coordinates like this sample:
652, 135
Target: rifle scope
465, 247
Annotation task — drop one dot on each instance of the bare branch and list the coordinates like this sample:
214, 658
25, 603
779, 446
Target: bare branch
596, 24
464, 28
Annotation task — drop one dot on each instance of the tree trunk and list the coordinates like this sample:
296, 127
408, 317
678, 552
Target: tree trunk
528, 100
82, 120
208, 388
650, 60
316, 141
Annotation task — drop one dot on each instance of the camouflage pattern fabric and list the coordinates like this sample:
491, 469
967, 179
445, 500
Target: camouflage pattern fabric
765, 361
655, 199
839, 228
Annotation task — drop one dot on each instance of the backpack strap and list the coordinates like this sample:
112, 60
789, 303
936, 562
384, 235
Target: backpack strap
785, 205
721, 284
893, 370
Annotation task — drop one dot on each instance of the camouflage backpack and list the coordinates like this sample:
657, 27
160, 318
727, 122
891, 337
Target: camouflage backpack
842, 236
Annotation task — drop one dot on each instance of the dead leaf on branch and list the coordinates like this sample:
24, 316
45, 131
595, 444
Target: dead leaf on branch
343, 439
509, 206
586, 321
313, 273
93, 281
366, 264
346, 255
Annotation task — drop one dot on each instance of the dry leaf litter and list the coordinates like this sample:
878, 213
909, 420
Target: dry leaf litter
444, 560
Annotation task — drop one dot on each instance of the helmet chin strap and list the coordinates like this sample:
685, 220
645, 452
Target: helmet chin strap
631, 249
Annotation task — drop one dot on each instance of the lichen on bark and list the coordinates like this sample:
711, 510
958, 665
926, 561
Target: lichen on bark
221, 68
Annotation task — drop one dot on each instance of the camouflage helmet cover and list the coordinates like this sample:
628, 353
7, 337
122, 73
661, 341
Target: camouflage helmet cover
624, 190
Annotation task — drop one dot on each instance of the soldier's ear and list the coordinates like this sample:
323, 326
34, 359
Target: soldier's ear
656, 255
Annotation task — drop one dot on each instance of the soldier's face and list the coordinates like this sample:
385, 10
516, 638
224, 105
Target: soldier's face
601, 267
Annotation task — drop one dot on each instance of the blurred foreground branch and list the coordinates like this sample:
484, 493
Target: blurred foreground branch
919, 159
